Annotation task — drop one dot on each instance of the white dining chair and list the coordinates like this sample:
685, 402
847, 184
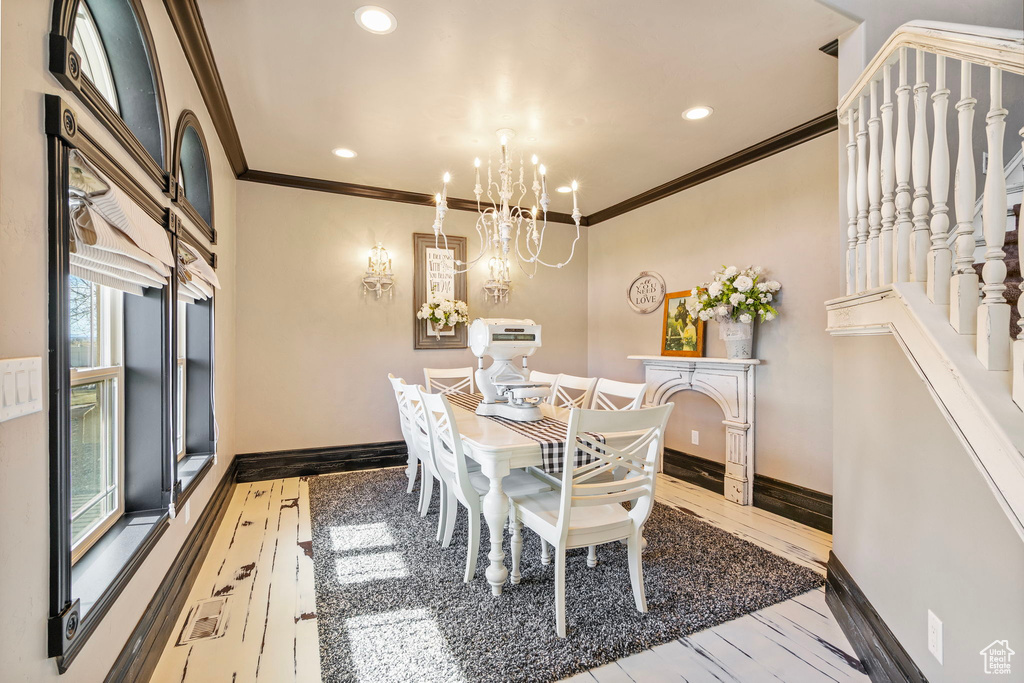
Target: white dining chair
449, 380
551, 379
584, 513
573, 392
612, 395
461, 485
403, 418
420, 436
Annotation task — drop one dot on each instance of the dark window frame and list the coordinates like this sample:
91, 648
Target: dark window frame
66, 65
200, 215
69, 626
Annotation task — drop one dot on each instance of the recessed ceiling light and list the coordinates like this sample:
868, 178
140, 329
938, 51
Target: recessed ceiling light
564, 189
376, 19
698, 112
344, 153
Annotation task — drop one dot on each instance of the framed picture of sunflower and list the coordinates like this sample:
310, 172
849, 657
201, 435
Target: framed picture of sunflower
682, 334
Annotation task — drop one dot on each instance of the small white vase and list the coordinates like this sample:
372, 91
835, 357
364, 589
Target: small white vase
738, 337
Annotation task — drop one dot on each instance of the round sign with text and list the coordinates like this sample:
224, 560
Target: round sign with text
646, 293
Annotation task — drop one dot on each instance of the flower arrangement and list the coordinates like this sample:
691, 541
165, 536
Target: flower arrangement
735, 295
442, 312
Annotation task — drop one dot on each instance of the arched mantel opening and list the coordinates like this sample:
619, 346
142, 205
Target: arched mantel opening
730, 383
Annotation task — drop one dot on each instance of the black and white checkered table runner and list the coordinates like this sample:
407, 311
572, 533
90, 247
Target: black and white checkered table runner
548, 432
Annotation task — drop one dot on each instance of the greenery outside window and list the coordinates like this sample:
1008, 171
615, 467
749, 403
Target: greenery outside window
97, 411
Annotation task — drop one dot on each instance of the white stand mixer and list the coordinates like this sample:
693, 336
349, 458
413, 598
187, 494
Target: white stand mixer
507, 390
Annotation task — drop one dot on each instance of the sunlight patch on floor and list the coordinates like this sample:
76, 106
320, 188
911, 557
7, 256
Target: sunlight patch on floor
361, 536
372, 567
403, 645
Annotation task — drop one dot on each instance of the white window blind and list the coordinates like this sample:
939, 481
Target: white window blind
196, 279
113, 241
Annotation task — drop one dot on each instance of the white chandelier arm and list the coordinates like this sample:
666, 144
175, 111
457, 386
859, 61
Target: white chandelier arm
572, 251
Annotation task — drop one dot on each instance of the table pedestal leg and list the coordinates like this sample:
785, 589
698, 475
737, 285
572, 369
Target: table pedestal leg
495, 508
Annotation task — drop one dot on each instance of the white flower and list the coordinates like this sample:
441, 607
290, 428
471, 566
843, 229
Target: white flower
767, 297
774, 286
762, 286
746, 318
743, 283
750, 300
722, 311
769, 316
715, 288
704, 315
730, 271
736, 299
758, 270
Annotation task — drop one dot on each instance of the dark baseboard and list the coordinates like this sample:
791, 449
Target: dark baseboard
310, 461
806, 506
139, 657
883, 656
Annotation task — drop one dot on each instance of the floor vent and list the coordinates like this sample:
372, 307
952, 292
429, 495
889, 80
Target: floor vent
206, 620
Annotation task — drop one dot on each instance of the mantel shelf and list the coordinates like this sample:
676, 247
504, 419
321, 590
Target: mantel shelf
696, 359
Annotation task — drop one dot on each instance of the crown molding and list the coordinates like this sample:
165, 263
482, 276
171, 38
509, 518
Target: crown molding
371, 192
831, 48
188, 24
826, 123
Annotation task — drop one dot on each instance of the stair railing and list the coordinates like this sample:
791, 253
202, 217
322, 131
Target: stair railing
897, 194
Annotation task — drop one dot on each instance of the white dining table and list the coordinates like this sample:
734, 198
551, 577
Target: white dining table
498, 450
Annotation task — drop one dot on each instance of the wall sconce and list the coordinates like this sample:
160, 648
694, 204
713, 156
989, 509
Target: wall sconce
498, 286
379, 277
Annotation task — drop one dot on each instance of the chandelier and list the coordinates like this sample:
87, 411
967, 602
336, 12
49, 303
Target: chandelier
507, 229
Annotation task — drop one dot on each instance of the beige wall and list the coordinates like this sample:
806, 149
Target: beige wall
779, 213
915, 524
24, 478
314, 352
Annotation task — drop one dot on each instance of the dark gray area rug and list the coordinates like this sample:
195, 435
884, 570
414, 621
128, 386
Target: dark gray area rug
391, 603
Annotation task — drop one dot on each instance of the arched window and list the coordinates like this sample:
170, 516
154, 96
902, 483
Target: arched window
192, 168
102, 50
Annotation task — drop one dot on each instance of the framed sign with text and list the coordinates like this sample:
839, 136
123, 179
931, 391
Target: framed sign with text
646, 292
434, 270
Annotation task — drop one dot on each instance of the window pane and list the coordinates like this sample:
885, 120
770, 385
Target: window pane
93, 456
88, 44
84, 323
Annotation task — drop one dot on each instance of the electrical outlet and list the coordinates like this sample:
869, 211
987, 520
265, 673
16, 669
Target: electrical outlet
695, 437
935, 636
188, 510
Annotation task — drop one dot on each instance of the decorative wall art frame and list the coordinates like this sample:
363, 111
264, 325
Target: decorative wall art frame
646, 292
682, 334
434, 268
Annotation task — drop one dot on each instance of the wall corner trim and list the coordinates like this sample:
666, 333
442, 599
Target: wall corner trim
883, 657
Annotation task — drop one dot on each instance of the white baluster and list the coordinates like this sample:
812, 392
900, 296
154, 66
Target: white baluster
888, 179
851, 205
862, 195
921, 237
994, 313
874, 191
963, 297
940, 259
901, 246
1018, 344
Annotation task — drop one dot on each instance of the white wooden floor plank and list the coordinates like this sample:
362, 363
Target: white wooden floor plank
585, 677
784, 660
648, 666
611, 673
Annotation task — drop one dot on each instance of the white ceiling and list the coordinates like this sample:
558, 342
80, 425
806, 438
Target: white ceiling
599, 84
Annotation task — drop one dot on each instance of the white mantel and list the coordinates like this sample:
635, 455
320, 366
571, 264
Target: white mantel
730, 382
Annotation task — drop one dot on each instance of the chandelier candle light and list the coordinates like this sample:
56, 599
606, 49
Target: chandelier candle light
507, 230
378, 277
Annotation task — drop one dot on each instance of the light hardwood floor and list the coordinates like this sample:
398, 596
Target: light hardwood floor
261, 561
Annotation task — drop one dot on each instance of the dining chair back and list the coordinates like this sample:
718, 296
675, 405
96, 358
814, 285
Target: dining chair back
612, 395
449, 457
420, 438
403, 419
586, 486
573, 392
449, 380
551, 379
